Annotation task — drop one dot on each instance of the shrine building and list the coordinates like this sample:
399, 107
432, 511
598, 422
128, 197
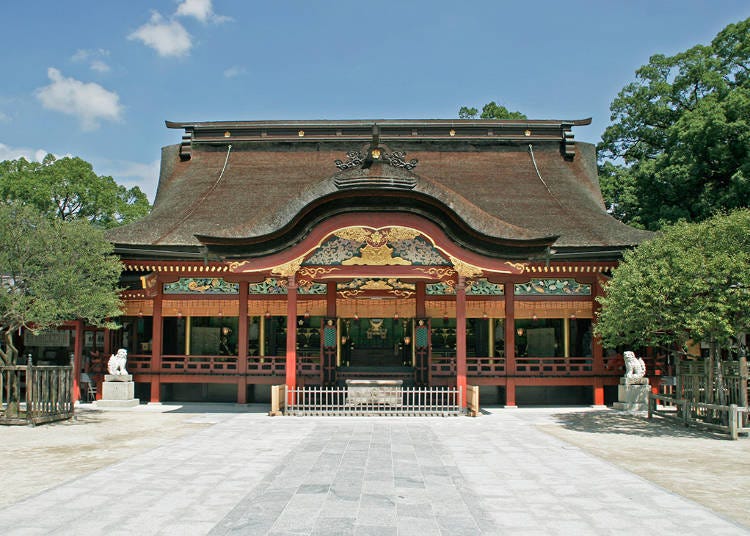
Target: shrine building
439, 252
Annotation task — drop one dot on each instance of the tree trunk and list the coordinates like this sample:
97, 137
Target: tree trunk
14, 378
721, 398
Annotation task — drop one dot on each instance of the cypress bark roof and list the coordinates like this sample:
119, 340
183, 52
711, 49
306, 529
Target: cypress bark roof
514, 182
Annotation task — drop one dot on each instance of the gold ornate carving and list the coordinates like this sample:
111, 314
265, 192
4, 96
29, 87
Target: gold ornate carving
376, 284
356, 234
288, 268
313, 272
403, 293
401, 233
237, 266
376, 256
349, 293
376, 237
520, 267
437, 273
464, 268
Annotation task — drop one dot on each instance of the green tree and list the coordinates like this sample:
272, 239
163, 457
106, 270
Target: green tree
679, 144
68, 188
491, 110
52, 270
691, 282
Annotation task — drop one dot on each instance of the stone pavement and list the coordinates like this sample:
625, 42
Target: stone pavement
252, 474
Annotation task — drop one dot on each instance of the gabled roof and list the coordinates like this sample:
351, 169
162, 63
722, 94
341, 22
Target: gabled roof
499, 186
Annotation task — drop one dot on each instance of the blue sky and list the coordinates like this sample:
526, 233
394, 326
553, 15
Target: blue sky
97, 79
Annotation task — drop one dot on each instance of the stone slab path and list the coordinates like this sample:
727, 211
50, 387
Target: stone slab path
250, 474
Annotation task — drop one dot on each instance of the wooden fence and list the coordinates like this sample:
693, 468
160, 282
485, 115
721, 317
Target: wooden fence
706, 397
732, 419
43, 393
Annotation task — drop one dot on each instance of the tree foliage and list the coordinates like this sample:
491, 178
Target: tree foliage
491, 110
679, 144
68, 188
690, 282
51, 271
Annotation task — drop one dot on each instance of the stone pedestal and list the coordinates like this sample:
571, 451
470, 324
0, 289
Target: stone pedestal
118, 391
632, 395
374, 392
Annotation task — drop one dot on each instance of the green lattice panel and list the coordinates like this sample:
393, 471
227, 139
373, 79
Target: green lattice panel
201, 285
552, 287
329, 337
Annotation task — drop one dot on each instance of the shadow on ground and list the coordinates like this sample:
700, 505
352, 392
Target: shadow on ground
611, 422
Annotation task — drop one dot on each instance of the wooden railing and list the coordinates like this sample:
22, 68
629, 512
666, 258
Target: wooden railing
203, 364
443, 366
485, 366
440, 366
40, 394
531, 366
139, 363
555, 366
266, 365
308, 366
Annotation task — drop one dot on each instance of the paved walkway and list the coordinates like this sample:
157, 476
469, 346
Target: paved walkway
251, 474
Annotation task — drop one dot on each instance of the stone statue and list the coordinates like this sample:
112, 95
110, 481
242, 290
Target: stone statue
635, 368
116, 365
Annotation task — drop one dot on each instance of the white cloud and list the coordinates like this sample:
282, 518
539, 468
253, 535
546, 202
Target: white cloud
99, 66
167, 38
201, 10
14, 153
95, 58
89, 102
4, 118
233, 71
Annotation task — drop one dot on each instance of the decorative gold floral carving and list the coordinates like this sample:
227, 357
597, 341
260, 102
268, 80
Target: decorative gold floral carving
349, 293
519, 267
288, 268
376, 284
377, 237
437, 273
376, 256
395, 234
464, 268
403, 293
356, 234
237, 265
313, 272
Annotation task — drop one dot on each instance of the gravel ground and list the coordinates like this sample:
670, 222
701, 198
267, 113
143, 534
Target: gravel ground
700, 465
705, 467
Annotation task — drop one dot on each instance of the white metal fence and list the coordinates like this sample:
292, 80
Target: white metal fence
405, 401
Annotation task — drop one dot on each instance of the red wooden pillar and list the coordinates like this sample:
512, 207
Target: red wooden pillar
242, 343
77, 358
291, 337
461, 337
156, 343
510, 393
598, 392
421, 288
331, 300
510, 344
108, 343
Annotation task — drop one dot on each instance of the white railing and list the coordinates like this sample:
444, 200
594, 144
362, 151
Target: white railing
408, 402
